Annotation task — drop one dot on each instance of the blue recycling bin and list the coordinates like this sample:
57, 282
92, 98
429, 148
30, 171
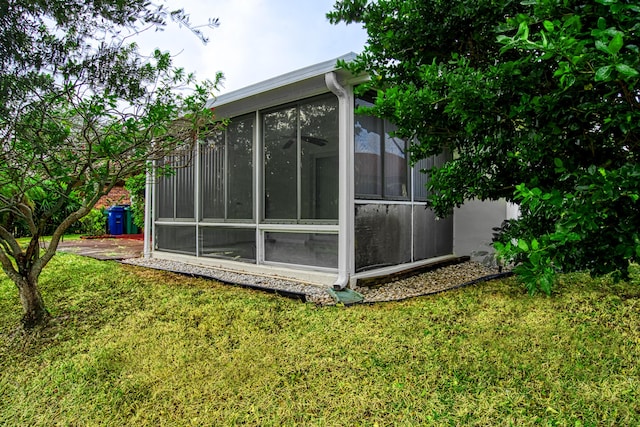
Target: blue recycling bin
116, 220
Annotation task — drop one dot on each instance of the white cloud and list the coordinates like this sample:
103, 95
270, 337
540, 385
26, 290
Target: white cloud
256, 39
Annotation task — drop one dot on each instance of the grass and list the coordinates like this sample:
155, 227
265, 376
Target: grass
130, 346
24, 241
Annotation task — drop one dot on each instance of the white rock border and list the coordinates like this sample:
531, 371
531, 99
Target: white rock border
430, 282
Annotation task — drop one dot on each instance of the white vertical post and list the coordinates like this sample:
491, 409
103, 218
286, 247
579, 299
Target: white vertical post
148, 200
196, 195
345, 175
258, 187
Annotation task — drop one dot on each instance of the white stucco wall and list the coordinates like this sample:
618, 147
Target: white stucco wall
473, 227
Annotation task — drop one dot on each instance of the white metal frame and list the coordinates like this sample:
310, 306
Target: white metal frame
316, 80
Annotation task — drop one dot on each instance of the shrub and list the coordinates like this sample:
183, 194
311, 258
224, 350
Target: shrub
136, 187
94, 224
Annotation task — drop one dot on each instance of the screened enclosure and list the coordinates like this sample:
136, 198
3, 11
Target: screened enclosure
298, 167
392, 222
297, 182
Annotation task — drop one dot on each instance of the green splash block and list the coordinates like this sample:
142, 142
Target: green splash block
346, 296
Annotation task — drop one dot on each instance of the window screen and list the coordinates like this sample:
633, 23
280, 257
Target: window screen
421, 177
396, 166
301, 161
381, 161
226, 170
212, 176
166, 197
240, 169
368, 154
238, 244
319, 159
319, 250
171, 238
281, 164
176, 190
383, 235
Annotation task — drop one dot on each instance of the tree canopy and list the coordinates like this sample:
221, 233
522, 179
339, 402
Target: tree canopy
81, 109
539, 101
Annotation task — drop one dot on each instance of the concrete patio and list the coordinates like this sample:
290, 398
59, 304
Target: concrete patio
117, 248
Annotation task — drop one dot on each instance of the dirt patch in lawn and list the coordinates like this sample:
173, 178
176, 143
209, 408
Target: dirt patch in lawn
105, 248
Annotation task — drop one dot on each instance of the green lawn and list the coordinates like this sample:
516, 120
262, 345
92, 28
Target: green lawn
130, 346
24, 241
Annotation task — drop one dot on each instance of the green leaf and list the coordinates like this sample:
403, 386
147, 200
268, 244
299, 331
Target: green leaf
573, 237
616, 43
548, 25
535, 245
546, 281
535, 258
502, 39
603, 74
602, 47
626, 70
602, 23
522, 244
545, 42
523, 31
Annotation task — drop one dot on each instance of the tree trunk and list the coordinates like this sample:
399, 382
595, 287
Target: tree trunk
33, 309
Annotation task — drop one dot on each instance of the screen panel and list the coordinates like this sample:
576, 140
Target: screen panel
383, 235
280, 164
237, 244
212, 177
312, 249
240, 169
319, 159
173, 238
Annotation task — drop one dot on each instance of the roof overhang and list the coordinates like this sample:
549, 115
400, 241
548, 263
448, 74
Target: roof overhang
289, 87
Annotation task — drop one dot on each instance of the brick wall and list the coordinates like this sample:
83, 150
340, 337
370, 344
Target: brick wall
117, 196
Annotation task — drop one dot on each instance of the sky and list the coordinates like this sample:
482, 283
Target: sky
256, 39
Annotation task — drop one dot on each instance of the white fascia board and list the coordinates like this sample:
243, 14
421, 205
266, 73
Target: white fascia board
281, 81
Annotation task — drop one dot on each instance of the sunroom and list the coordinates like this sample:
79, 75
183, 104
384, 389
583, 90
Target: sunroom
298, 186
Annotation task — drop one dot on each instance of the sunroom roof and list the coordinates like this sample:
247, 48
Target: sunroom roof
280, 81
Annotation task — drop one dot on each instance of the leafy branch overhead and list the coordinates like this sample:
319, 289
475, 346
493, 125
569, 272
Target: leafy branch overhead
540, 102
81, 109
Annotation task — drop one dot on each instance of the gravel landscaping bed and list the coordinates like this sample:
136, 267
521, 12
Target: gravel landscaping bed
433, 281
430, 282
